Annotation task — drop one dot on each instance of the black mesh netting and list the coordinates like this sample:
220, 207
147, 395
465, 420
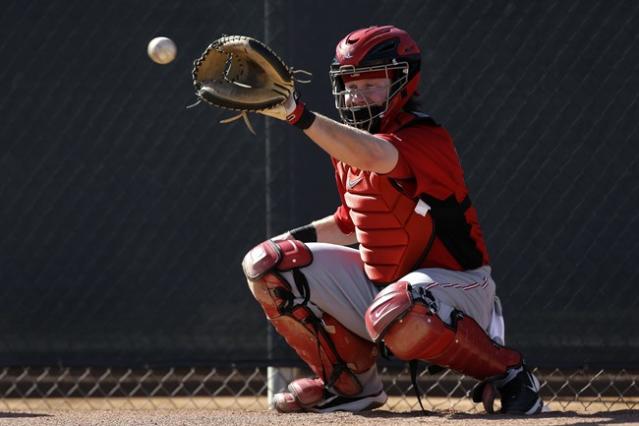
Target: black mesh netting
124, 216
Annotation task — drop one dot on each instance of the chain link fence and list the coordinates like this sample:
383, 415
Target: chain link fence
246, 388
124, 216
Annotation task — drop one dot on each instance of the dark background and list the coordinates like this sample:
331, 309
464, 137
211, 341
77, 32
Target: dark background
124, 216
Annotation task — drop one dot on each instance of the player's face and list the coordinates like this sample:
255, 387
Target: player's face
367, 91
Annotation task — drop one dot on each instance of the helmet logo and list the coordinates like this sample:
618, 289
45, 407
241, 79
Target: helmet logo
348, 55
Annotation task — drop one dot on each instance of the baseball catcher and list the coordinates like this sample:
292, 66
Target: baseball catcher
419, 284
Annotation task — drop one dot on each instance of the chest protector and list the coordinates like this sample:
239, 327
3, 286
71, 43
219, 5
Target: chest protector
395, 232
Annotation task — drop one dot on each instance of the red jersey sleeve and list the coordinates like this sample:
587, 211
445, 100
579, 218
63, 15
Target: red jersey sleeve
427, 160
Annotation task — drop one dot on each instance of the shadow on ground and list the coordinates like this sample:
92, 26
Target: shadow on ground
601, 418
9, 415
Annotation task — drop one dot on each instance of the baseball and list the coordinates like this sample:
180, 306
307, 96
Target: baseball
162, 50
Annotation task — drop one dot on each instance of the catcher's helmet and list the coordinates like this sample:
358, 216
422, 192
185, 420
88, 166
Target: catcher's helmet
372, 52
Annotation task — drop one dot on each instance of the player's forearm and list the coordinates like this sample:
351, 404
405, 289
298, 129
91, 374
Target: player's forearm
328, 232
353, 146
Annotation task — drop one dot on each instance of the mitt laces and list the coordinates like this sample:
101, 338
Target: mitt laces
300, 71
227, 70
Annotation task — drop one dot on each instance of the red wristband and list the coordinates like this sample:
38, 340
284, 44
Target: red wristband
301, 117
295, 116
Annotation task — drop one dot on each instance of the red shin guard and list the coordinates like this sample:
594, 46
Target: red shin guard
413, 331
330, 350
333, 352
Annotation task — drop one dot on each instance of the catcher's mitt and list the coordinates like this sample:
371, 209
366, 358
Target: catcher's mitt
243, 74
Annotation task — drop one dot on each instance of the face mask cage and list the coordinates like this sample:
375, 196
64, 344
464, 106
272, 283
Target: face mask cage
367, 116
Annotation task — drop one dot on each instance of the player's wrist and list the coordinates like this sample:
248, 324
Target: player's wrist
297, 114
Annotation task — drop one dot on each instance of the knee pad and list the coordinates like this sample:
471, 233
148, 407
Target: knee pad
262, 266
332, 351
411, 329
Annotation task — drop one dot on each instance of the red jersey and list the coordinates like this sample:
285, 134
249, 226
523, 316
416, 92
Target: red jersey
428, 169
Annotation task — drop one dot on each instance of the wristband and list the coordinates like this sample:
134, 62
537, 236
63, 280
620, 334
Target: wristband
301, 117
305, 234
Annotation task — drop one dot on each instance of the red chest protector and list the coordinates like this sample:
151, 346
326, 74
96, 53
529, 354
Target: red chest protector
398, 234
394, 236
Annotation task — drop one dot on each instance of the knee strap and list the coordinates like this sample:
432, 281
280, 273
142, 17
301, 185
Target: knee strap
411, 329
332, 351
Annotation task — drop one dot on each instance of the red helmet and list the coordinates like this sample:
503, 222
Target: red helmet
374, 52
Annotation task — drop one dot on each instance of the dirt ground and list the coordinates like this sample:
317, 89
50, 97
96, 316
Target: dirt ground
173, 412
242, 418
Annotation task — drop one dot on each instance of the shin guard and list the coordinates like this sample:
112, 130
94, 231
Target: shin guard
332, 351
412, 330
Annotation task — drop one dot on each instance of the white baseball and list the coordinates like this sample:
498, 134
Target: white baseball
162, 50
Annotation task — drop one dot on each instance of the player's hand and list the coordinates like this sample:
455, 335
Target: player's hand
282, 110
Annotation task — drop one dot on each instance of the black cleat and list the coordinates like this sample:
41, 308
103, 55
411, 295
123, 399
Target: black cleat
310, 395
355, 404
519, 391
520, 394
